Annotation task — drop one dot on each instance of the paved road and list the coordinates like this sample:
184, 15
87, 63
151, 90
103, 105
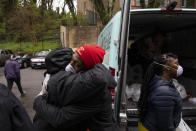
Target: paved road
31, 83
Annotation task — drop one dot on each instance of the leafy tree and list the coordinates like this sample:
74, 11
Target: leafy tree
2, 28
151, 3
7, 6
72, 10
190, 3
29, 20
154, 3
102, 12
68, 20
142, 3
25, 21
50, 4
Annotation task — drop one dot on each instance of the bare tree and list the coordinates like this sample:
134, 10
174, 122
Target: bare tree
100, 9
72, 10
50, 4
63, 8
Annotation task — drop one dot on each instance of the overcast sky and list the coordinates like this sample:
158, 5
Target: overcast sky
59, 3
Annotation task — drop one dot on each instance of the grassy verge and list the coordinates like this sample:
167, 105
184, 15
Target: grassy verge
28, 46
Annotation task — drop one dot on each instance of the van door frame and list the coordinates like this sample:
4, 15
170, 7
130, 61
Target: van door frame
120, 104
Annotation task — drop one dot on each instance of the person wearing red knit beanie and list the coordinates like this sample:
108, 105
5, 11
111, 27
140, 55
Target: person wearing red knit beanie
79, 98
86, 57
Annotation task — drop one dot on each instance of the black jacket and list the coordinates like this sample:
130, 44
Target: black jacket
13, 116
77, 98
164, 106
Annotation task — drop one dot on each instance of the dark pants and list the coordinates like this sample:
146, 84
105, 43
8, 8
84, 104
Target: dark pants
10, 83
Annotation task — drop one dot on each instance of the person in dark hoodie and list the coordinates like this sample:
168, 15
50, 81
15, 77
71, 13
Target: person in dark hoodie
160, 103
81, 100
13, 116
12, 74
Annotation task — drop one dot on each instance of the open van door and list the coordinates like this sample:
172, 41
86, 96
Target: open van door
120, 101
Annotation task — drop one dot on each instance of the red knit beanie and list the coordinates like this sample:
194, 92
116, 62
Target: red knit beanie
91, 55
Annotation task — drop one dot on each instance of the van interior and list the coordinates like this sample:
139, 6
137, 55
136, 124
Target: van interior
156, 32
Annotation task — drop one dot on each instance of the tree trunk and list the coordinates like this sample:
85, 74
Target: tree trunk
35, 1
99, 7
72, 10
43, 7
49, 3
151, 3
142, 3
63, 8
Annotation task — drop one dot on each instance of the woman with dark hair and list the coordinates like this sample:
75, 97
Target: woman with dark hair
160, 103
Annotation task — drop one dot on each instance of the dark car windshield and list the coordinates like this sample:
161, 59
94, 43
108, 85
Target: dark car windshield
42, 53
18, 56
25, 56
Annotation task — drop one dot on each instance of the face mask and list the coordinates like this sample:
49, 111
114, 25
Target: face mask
70, 68
178, 72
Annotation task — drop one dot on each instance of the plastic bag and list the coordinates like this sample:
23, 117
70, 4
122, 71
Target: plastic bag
183, 126
193, 100
180, 89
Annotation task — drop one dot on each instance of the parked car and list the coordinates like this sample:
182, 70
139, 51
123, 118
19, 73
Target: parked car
129, 26
38, 61
24, 59
4, 55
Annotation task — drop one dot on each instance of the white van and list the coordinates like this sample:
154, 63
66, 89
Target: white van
124, 38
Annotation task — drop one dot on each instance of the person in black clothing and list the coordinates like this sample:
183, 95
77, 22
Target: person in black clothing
143, 50
78, 101
160, 103
13, 116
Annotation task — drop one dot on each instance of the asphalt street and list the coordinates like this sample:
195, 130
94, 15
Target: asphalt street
31, 80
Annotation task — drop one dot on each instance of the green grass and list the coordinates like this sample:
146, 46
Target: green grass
28, 46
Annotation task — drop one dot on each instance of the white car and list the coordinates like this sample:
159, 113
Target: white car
38, 61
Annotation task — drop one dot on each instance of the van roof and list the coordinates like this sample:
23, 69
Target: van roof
160, 9
146, 21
